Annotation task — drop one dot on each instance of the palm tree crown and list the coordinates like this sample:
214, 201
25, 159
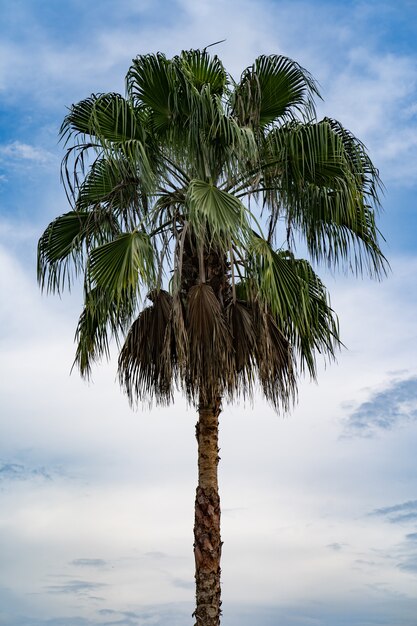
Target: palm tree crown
168, 186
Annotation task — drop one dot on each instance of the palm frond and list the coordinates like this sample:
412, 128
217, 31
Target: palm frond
112, 187
274, 360
102, 319
148, 355
209, 370
106, 117
359, 162
152, 82
216, 216
200, 69
273, 88
60, 251
122, 264
297, 300
318, 178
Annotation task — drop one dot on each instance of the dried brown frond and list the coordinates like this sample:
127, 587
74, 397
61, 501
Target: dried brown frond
179, 331
274, 359
210, 367
148, 355
244, 344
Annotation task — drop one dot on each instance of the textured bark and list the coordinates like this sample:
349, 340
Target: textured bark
207, 542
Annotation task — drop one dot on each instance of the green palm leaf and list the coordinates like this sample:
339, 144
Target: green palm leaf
107, 117
216, 215
273, 87
152, 82
60, 251
118, 267
318, 178
102, 319
297, 300
113, 187
200, 69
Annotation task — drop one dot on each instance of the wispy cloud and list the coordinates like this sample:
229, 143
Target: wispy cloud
385, 409
78, 587
411, 537
398, 513
19, 151
16, 471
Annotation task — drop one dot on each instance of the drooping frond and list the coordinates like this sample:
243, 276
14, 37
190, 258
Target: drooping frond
274, 360
209, 371
296, 298
148, 355
320, 182
359, 161
105, 117
102, 319
60, 250
260, 352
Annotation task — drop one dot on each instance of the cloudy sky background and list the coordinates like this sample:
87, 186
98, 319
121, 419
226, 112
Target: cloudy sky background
96, 501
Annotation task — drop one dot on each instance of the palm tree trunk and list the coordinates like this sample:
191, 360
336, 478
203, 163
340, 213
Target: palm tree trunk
207, 542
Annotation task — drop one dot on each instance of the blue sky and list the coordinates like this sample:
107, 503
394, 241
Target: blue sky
96, 501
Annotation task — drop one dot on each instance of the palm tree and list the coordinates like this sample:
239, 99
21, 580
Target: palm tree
192, 192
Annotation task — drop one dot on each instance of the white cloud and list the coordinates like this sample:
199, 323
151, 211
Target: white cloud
19, 151
373, 96
124, 492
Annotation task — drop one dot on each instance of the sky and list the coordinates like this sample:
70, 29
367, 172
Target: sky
319, 507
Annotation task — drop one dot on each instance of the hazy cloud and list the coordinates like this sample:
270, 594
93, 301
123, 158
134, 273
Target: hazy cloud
300, 475
409, 564
156, 555
181, 583
336, 547
89, 562
174, 614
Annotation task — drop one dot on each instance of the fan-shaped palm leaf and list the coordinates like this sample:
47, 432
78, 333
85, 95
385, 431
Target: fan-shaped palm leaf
60, 250
107, 117
121, 265
215, 215
200, 69
273, 87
